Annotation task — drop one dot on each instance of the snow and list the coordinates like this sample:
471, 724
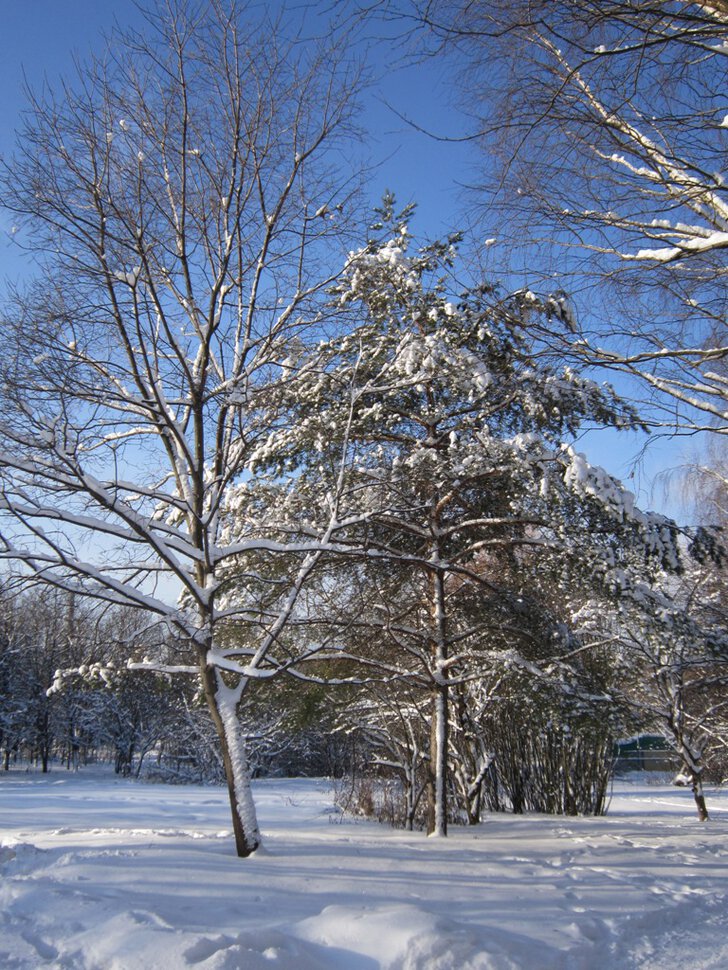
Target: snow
227, 700
701, 244
99, 872
130, 278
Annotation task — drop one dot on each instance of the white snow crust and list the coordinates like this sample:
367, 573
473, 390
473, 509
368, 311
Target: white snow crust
99, 873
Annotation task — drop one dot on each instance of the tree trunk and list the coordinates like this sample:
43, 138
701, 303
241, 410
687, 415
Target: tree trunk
410, 782
222, 702
437, 788
474, 803
437, 783
143, 751
697, 787
413, 791
692, 762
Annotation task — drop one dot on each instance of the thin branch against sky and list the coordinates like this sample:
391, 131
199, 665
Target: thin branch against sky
410, 99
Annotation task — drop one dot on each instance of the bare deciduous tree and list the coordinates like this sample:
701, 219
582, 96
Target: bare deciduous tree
604, 127
180, 198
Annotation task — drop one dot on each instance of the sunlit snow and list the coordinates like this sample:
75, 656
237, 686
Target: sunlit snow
99, 873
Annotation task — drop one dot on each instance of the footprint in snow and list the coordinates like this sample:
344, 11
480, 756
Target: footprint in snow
43, 949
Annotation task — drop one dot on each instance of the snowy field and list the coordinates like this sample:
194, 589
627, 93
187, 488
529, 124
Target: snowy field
97, 873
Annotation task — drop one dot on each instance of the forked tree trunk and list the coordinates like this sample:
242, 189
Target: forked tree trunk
692, 763
222, 702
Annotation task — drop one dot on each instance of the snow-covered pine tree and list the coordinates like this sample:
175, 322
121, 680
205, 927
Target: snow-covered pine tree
440, 438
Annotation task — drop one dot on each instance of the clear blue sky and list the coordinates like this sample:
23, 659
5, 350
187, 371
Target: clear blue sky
40, 39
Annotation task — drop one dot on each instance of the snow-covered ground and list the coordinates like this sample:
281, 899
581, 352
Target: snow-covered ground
97, 873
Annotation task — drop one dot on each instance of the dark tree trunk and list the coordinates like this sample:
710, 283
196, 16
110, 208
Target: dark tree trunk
696, 785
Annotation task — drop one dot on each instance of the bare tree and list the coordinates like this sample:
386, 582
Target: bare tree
604, 126
181, 199
674, 673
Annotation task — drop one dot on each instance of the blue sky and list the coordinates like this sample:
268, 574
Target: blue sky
40, 39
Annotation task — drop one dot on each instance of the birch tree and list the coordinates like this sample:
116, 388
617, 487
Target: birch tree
604, 132
180, 200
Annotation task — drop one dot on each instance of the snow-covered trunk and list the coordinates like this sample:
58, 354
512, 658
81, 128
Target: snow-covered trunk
690, 755
222, 702
474, 807
437, 808
475, 788
696, 784
694, 770
470, 758
437, 788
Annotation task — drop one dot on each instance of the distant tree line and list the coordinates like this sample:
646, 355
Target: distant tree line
530, 731
154, 727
